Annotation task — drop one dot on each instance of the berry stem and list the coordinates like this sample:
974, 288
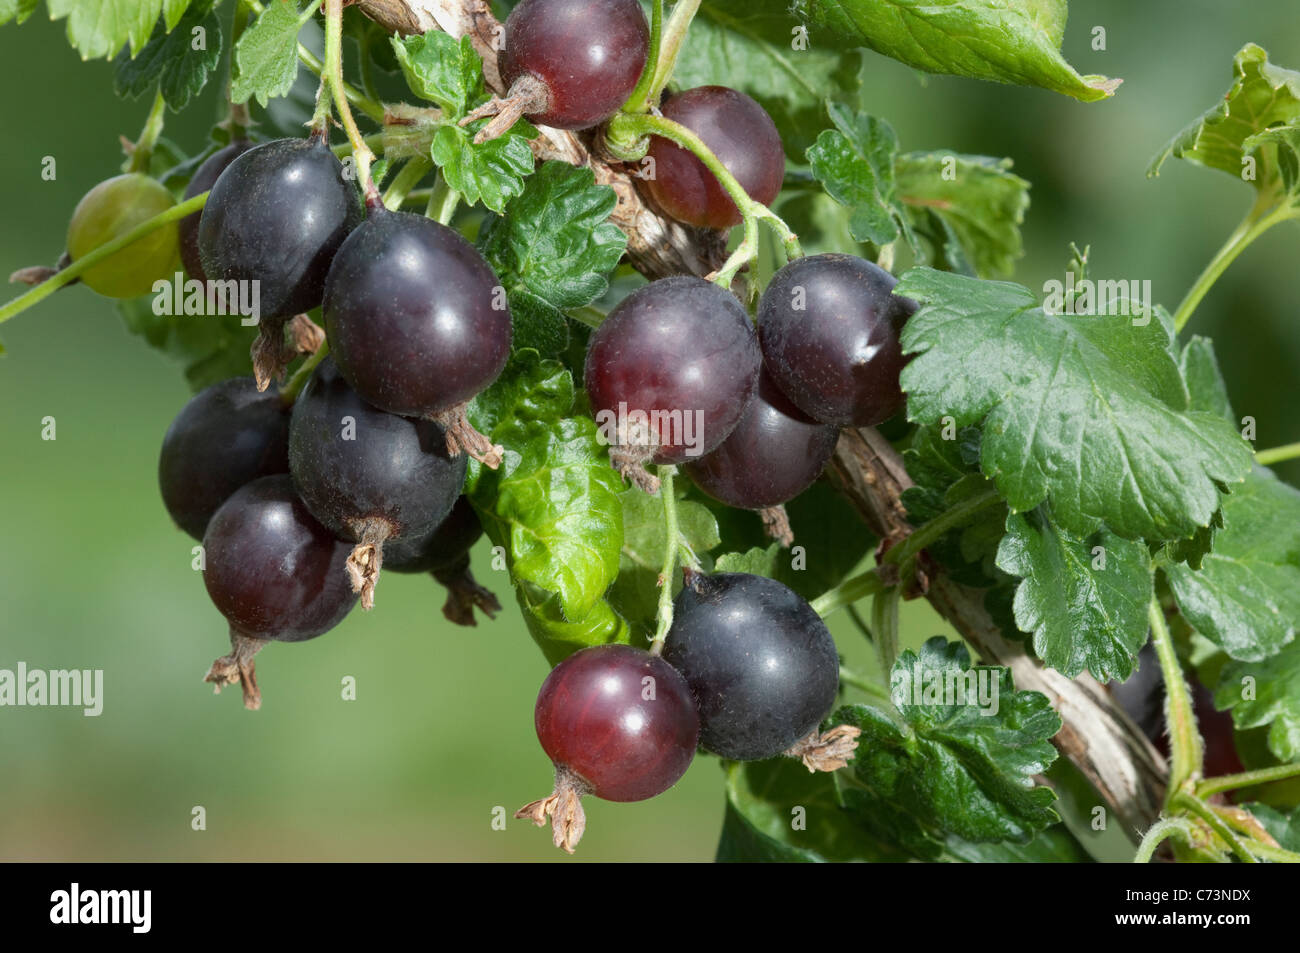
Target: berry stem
1261, 217
849, 591
86, 262
1231, 782
1266, 458
664, 616
142, 151
443, 202
639, 101
1187, 751
884, 623
289, 393
625, 127
1195, 806
670, 45
333, 73
412, 172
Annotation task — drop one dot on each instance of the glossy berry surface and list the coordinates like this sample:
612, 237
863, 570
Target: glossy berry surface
761, 664
774, 453
442, 548
354, 465
742, 136
593, 717
588, 53
277, 215
204, 179
829, 327
416, 318
272, 570
681, 348
109, 211
226, 436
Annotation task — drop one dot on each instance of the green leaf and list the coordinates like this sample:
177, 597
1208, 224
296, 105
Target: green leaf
1089, 413
756, 51
1206, 387
209, 348
442, 70
1085, 609
554, 502
554, 248
99, 28
1007, 41
17, 10
965, 769
855, 163
1055, 845
489, 173
266, 55
1261, 108
1285, 828
557, 635
779, 812
1266, 693
981, 203
1246, 596
171, 61
635, 594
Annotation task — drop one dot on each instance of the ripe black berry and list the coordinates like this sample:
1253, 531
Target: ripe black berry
418, 322
761, 664
227, 435
204, 179
275, 573
368, 475
568, 63
444, 553
669, 372
618, 723
774, 453
743, 137
829, 328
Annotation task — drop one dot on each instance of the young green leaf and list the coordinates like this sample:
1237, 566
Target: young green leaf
553, 248
1266, 693
981, 203
1246, 596
556, 634
98, 30
490, 173
1084, 600
266, 56
1015, 42
16, 10
441, 69
758, 52
855, 163
1089, 413
1262, 108
177, 62
956, 765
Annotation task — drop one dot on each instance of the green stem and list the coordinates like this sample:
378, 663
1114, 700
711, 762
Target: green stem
957, 515
88, 261
1246, 779
1256, 222
884, 624
670, 45
1187, 752
591, 317
1277, 855
375, 141
1266, 458
443, 202
153, 127
1189, 803
412, 172
671, 546
367, 68
848, 592
333, 73
289, 393
1159, 832
639, 101
864, 685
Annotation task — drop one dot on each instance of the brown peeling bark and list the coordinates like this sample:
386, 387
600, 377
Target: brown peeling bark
1097, 737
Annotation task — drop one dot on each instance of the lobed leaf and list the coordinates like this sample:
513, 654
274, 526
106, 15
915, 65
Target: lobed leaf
266, 55
170, 61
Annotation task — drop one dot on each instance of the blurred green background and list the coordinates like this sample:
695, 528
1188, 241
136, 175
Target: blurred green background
93, 575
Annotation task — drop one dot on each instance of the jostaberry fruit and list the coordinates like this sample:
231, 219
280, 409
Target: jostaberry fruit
368, 475
204, 179
418, 322
229, 434
669, 372
743, 137
444, 553
829, 327
761, 665
617, 722
275, 573
109, 211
